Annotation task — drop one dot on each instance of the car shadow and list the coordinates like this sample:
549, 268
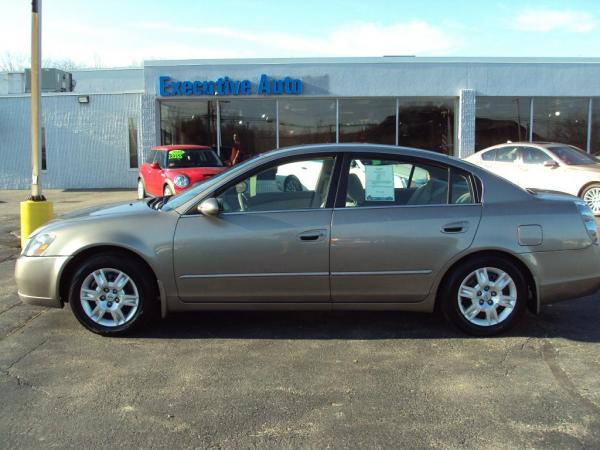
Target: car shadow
574, 320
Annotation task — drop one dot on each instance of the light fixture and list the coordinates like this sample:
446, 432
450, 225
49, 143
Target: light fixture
557, 113
83, 99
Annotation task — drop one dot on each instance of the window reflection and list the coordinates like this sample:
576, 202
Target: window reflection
188, 122
427, 123
595, 138
501, 119
560, 119
306, 121
368, 120
252, 121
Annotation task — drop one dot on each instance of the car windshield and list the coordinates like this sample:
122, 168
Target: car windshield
181, 158
572, 155
185, 196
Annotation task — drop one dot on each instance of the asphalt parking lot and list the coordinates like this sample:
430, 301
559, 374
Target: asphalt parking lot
317, 380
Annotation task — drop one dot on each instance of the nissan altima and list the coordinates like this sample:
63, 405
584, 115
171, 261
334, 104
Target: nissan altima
451, 237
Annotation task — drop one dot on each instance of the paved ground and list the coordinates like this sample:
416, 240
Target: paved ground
230, 380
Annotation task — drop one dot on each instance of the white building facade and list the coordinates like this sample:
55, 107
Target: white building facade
97, 135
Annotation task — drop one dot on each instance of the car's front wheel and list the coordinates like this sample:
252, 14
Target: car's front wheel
111, 294
484, 296
591, 195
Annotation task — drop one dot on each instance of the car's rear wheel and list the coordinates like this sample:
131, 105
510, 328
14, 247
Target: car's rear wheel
484, 296
141, 190
167, 192
111, 295
591, 195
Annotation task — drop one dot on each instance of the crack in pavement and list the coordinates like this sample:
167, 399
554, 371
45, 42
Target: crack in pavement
550, 355
21, 381
20, 327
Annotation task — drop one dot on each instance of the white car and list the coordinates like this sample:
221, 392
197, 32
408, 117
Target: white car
304, 176
545, 166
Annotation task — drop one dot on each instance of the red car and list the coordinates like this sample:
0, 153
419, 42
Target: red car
170, 169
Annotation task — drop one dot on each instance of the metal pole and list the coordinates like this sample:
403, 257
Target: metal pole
36, 59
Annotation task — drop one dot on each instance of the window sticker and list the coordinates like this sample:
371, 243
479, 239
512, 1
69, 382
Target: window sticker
379, 183
176, 154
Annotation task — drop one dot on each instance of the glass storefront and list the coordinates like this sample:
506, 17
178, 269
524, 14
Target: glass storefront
306, 121
595, 131
253, 121
501, 119
420, 122
368, 120
561, 119
188, 122
427, 123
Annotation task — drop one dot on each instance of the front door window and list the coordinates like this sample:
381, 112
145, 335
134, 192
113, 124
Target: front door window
293, 185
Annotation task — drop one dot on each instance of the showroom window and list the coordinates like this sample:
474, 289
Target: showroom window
501, 119
132, 132
368, 120
595, 131
188, 122
427, 123
561, 119
306, 121
253, 121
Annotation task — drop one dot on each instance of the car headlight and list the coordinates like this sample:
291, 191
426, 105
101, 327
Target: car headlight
181, 181
38, 244
588, 220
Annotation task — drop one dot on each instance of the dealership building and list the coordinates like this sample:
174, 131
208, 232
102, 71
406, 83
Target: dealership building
99, 124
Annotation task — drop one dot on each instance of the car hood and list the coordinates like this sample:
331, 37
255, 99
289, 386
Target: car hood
591, 168
132, 207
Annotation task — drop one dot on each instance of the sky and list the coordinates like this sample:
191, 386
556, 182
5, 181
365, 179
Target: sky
111, 33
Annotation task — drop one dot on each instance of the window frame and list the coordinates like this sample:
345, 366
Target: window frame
331, 195
340, 199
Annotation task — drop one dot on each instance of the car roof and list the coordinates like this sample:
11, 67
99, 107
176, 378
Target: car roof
525, 143
181, 147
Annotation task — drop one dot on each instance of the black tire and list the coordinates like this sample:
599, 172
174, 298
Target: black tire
449, 299
141, 190
147, 306
292, 184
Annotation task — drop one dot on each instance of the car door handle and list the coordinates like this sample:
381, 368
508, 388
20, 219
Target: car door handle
455, 227
312, 235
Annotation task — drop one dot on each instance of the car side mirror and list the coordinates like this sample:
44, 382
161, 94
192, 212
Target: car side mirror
551, 164
154, 165
209, 207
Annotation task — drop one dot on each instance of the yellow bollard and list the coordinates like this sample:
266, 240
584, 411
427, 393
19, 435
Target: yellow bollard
34, 215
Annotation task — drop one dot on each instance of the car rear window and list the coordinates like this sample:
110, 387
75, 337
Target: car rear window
181, 158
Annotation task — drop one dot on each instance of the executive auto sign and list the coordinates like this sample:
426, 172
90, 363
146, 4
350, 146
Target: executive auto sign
225, 86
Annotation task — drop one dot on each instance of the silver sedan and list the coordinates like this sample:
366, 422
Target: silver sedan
348, 236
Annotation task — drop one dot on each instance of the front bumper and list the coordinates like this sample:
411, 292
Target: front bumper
38, 278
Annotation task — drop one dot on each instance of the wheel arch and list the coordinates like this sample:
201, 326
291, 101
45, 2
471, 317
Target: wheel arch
73, 263
533, 302
585, 186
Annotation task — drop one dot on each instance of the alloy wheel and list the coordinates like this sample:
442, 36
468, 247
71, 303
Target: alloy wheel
487, 296
592, 198
109, 297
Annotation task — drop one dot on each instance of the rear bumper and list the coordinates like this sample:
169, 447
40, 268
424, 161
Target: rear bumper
563, 275
37, 279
